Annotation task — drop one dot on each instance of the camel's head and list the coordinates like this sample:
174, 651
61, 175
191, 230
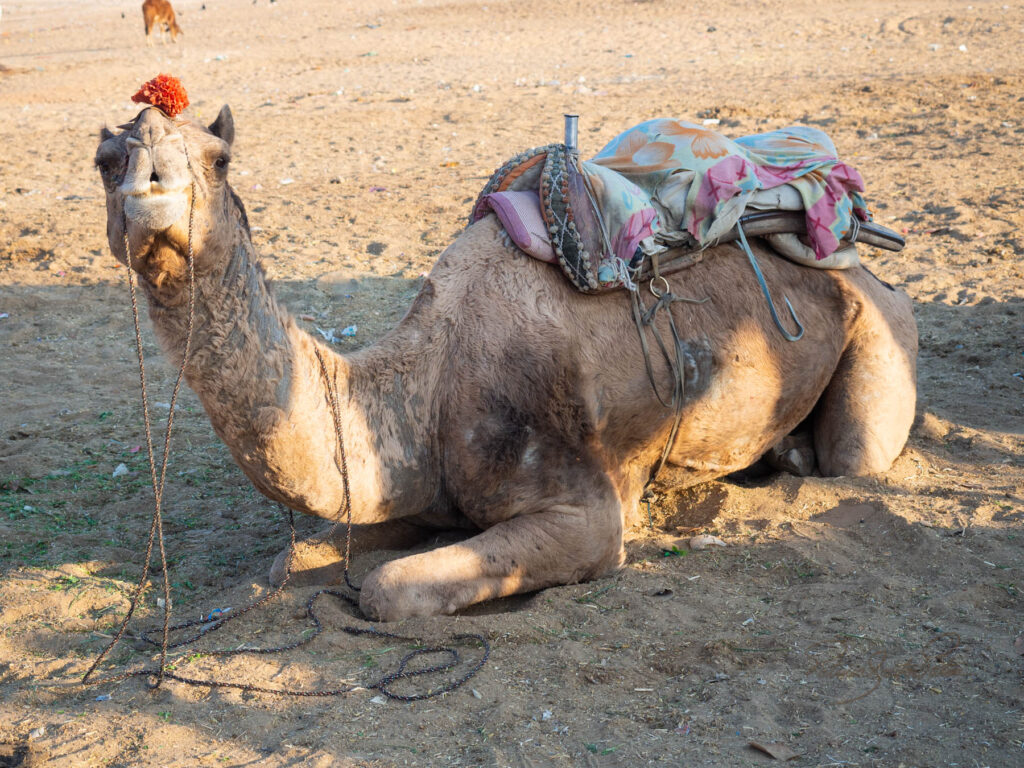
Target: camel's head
158, 173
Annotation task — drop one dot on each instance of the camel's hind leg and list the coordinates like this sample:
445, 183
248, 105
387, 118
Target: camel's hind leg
864, 416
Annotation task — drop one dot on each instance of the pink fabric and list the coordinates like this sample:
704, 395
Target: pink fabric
519, 213
720, 182
636, 229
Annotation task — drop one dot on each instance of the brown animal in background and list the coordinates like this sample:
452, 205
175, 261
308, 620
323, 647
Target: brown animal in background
505, 401
159, 15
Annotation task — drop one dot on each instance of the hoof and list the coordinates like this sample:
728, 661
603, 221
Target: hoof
315, 562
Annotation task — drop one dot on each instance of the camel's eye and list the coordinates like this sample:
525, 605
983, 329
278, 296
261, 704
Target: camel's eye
221, 163
111, 167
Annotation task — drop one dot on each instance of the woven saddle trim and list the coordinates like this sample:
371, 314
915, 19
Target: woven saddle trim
506, 174
556, 208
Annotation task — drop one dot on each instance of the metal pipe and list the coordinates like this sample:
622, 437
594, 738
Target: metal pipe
572, 132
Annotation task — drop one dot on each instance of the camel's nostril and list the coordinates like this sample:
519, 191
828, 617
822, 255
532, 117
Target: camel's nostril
154, 178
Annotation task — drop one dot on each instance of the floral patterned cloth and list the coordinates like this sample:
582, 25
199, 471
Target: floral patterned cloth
666, 181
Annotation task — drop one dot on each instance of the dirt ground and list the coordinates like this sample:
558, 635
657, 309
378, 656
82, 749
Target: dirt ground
856, 622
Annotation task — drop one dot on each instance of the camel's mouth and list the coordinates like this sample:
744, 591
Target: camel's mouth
155, 211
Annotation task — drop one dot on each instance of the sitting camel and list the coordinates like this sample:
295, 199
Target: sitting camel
505, 401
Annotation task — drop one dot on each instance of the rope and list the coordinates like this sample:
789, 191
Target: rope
156, 530
341, 462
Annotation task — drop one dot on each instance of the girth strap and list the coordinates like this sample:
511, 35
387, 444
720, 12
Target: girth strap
681, 363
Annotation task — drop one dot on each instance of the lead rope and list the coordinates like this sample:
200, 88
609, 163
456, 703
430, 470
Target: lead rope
208, 624
341, 462
156, 530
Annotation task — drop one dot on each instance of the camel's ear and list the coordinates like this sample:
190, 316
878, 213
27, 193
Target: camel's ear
105, 134
224, 126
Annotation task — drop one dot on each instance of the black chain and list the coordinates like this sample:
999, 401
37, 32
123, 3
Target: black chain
208, 625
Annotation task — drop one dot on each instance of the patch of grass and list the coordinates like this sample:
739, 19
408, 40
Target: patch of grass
804, 571
64, 583
31, 553
590, 598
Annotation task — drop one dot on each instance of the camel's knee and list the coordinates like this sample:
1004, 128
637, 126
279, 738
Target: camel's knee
865, 453
864, 417
592, 543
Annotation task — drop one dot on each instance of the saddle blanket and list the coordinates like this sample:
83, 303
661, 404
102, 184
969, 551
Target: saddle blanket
668, 183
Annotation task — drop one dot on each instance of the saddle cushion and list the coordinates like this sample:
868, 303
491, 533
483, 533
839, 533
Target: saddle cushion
519, 213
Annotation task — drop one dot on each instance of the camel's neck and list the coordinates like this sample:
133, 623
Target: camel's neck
261, 384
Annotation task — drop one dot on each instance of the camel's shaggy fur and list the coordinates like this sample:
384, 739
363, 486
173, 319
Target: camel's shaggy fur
504, 401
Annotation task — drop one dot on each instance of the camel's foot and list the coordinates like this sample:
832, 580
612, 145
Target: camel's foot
793, 454
321, 558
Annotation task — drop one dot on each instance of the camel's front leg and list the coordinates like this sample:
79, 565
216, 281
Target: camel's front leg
562, 545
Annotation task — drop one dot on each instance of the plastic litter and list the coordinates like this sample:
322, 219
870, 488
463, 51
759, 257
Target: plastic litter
120, 471
776, 750
216, 614
331, 337
705, 541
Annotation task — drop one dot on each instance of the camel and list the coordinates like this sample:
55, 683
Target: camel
504, 402
158, 15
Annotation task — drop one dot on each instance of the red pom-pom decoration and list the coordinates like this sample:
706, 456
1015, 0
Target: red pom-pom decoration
165, 92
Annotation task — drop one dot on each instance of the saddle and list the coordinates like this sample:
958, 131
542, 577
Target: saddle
660, 194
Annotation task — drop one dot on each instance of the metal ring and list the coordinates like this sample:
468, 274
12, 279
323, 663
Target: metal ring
668, 288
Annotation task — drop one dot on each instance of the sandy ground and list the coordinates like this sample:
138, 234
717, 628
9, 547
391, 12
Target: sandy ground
857, 622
